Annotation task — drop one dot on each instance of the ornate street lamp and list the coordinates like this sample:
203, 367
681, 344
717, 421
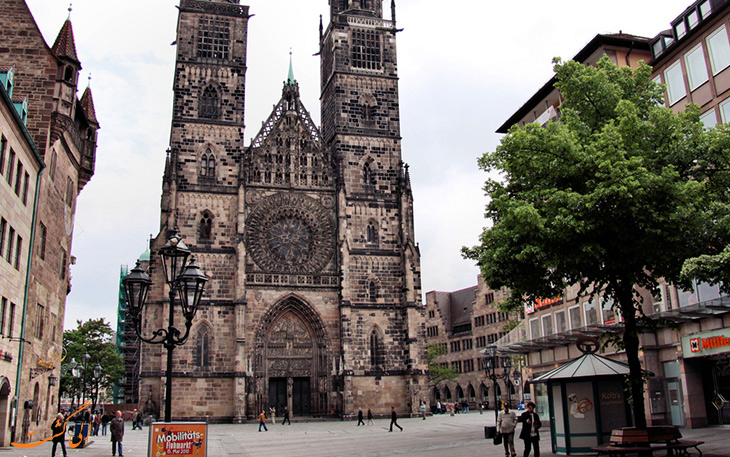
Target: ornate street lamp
97, 380
184, 279
506, 365
490, 365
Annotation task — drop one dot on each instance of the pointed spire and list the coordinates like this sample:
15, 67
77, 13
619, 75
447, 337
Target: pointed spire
65, 45
291, 81
87, 103
70, 8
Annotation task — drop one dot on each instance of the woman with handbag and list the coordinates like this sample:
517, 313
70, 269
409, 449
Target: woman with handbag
506, 424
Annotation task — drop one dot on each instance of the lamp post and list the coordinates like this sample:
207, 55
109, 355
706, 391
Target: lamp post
517, 376
490, 362
184, 279
97, 379
506, 365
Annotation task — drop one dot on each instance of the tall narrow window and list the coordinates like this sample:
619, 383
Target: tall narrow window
69, 192
209, 103
372, 291
203, 165
24, 196
18, 251
371, 235
11, 320
368, 176
40, 317
42, 235
3, 312
64, 262
11, 244
11, 165
3, 147
211, 166
52, 166
376, 358
18, 178
206, 226
202, 348
3, 229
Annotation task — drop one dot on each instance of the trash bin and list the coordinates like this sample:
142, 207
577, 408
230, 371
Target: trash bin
490, 431
81, 428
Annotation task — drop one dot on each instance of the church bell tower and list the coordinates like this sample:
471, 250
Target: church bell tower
382, 321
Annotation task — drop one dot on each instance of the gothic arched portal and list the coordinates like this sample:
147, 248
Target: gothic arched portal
290, 361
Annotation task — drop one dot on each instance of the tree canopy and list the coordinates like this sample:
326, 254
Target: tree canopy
618, 193
436, 371
95, 338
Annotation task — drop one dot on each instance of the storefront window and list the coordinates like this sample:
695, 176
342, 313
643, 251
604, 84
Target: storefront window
590, 310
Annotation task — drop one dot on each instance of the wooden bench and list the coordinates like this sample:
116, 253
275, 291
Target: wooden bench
630, 440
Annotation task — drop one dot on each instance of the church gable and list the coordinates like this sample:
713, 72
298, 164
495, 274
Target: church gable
288, 151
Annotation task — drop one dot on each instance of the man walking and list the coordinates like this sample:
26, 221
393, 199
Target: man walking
394, 420
117, 429
262, 421
529, 433
359, 417
423, 410
286, 416
370, 417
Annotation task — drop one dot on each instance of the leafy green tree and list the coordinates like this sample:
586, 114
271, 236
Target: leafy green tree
94, 337
437, 372
616, 195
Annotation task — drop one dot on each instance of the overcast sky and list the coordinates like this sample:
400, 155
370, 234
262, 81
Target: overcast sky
465, 66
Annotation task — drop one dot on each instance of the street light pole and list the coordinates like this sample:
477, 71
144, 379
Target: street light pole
184, 279
506, 365
490, 362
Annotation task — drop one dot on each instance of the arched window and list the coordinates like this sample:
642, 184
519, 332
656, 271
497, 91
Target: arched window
447, 393
203, 165
376, 349
209, 103
368, 176
202, 354
372, 291
211, 165
371, 235
205, 229
69, 75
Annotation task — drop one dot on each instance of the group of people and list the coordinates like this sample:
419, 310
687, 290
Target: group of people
272, 411
507, 424
361, 415
115, 423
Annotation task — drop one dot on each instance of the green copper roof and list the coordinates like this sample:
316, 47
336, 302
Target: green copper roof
291, 81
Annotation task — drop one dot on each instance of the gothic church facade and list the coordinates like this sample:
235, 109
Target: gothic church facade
314, 302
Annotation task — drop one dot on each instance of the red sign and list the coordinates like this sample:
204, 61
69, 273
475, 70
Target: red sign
178, 439
531, 307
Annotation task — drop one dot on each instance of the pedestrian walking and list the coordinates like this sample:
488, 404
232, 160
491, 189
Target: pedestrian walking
481, 407
423, 410
58, 430
286, 416
506, 424
105, 419
272, 411
117, 429
359, 417
97, 423
394, 420
529, 433
370, 417
262, 421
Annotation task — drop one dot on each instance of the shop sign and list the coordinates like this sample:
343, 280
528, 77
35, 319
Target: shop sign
178, 439
709, 343
532, 306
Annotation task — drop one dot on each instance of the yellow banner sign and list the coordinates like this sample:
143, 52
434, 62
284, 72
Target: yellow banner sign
178, 439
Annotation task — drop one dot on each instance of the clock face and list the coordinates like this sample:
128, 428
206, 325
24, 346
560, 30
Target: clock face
290, 234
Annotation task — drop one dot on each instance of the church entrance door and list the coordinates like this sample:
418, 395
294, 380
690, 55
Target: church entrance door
301, 397
277, 394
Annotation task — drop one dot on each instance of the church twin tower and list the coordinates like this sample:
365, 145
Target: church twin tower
314, 302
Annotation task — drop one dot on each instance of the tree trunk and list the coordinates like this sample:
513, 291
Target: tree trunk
625, 298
